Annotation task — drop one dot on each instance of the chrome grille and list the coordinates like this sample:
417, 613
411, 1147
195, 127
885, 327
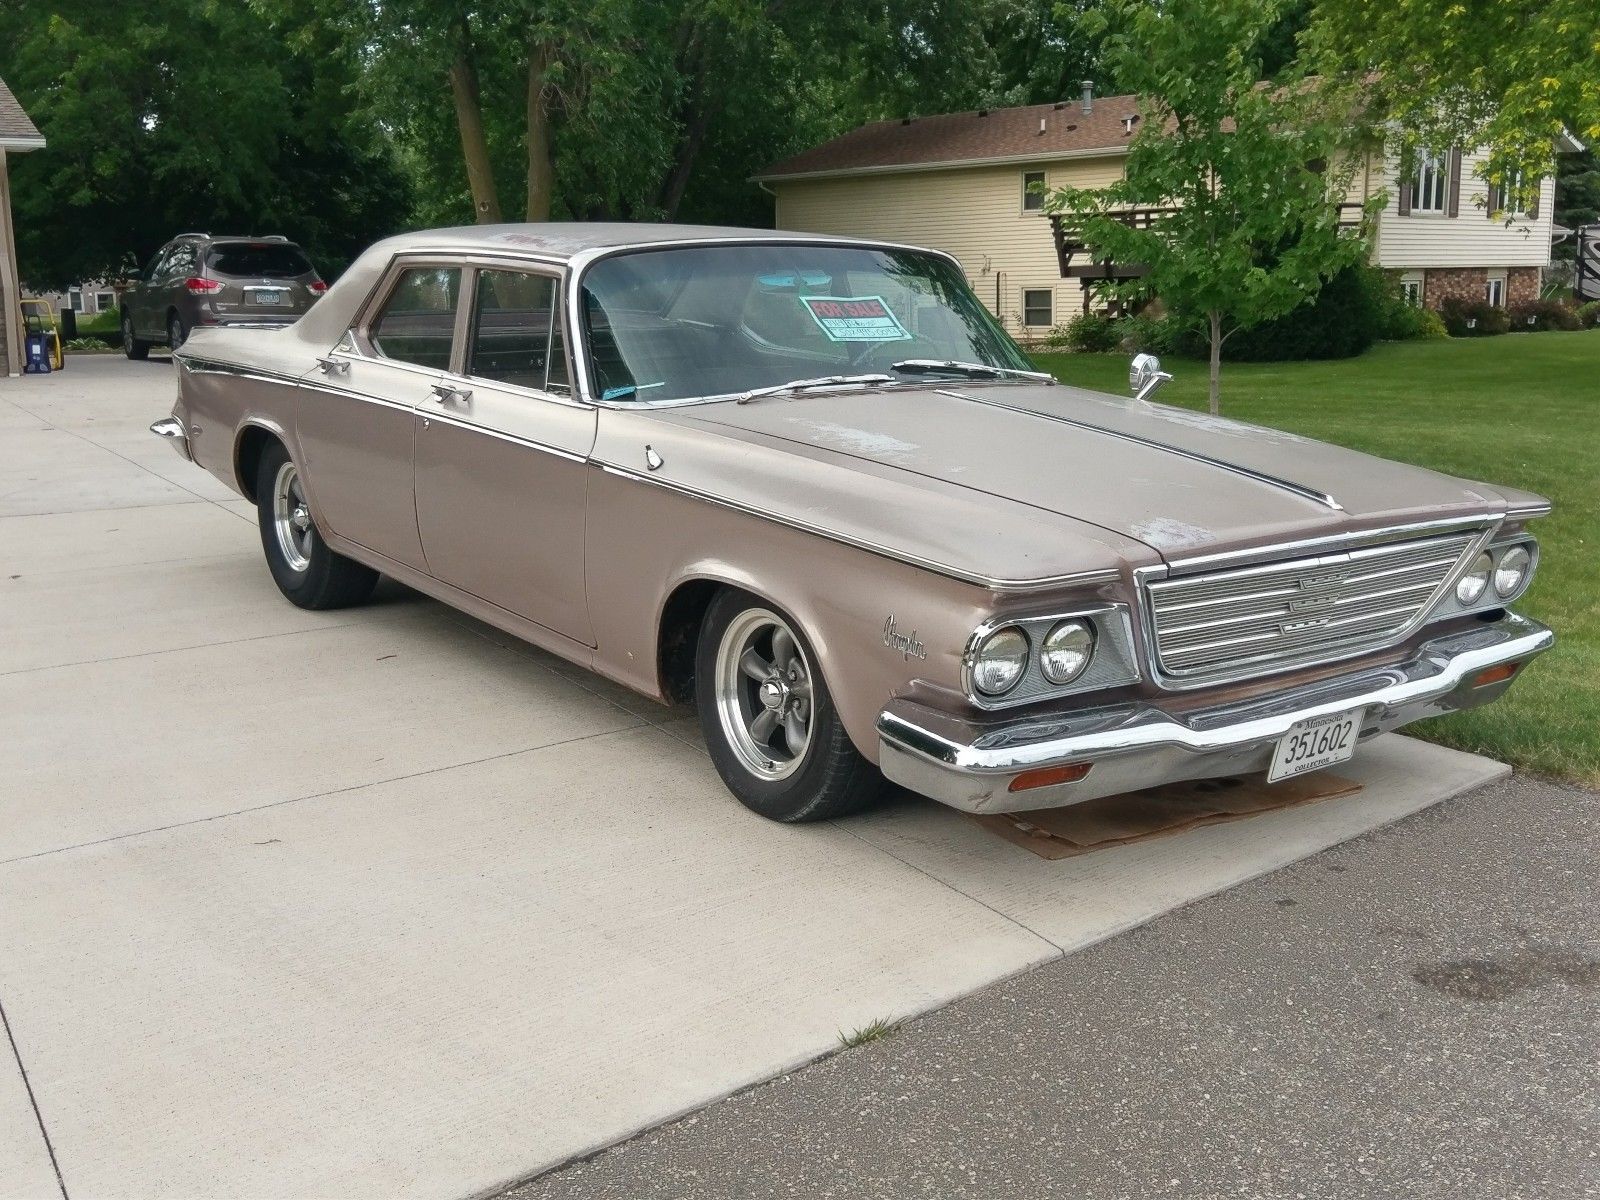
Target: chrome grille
1249, 620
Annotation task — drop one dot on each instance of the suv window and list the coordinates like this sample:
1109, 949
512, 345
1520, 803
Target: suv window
180, 261
516, 331
258, 260
417, 324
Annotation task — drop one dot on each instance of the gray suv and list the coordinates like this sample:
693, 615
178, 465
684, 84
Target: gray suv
198, 279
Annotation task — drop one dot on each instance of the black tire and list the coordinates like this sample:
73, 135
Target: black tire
135, 348
176, 333
829, 778
324, 579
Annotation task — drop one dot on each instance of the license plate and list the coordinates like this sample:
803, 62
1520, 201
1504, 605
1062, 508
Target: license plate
273, 296
1313, 744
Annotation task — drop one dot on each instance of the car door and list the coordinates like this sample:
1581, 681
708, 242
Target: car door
502, 453
355, 422
144, 296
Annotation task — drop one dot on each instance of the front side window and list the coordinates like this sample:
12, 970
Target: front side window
702, 321
1032, 191
516, 331
1429, 185
418, 321
1036, 308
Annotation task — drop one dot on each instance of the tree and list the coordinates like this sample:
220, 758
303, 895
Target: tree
1249, 177
162, 115
1506, 74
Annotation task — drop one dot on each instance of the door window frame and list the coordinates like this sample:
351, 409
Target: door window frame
471, 269
360, 333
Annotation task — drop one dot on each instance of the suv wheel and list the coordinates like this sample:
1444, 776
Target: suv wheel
175, 331
133, 347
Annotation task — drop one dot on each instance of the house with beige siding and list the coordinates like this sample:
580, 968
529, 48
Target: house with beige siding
17, 136
971, 184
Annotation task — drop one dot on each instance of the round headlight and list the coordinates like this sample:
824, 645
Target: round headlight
1001, 660
1511, 572
1471, 587
1066, 651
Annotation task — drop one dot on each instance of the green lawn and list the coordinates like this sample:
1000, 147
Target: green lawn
1521, 409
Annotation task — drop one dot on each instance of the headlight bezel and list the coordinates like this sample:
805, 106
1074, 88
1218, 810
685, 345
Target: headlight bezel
1113, 661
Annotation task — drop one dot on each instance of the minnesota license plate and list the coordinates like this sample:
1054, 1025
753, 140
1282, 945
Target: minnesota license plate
272, 296
1313, 744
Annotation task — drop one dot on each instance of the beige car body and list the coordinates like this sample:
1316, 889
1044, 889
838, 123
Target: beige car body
892, 529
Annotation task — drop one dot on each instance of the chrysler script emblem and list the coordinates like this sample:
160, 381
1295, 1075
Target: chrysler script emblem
906, 644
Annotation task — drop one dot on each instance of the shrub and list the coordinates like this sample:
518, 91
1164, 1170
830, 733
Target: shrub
1589, 314
1404, 322
1473, 318
1160, 335
1341, 321
1541, 315
1093, 333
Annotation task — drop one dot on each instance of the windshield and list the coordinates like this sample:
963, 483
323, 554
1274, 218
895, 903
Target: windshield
716, 320
258, 260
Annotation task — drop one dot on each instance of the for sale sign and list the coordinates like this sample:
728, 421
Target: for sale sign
855, 318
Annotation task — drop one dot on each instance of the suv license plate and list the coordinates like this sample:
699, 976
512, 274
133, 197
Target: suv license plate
1313, 744
272, 296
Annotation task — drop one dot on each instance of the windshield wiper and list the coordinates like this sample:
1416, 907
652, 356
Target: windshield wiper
972, 370
800, 385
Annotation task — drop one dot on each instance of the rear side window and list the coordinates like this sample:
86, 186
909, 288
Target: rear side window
516, 331
417, 324
258, 260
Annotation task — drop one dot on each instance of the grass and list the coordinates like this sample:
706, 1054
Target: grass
1522, 409
876, 1030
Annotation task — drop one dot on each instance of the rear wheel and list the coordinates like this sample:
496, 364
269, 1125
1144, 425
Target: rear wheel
304, 568
769, 720
176, 334
132, 346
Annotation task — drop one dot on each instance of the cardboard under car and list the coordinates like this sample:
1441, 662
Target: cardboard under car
1172, 808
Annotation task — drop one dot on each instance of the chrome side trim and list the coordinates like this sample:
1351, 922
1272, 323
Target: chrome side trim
1287, 485
1077, 578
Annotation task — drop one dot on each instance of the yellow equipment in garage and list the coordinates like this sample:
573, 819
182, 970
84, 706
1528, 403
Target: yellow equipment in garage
39, 318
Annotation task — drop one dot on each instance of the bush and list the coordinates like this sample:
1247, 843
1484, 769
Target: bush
1589, 314
1541, 315
1341, 321
1092, 333
1403, 322
1485, 319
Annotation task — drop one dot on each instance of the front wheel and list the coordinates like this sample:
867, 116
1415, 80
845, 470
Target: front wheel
135, 348
305, 570
768, 718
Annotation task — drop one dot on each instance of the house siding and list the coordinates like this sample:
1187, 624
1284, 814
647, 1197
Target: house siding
974, 214
1470, 239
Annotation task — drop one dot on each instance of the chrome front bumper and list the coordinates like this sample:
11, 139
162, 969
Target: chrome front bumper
170, 430
970, 766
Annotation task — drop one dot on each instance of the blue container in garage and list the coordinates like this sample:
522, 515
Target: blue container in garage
36, 349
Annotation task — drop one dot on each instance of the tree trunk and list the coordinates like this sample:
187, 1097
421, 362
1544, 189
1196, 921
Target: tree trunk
1216, 363
469, 121
541, 164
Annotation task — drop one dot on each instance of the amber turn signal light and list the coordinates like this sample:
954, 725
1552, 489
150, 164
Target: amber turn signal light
1045, 776
1494, 675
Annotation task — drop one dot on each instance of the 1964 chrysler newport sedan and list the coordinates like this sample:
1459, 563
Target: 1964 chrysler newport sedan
810, 484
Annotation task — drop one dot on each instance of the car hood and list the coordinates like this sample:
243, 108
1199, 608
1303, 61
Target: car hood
1180, 482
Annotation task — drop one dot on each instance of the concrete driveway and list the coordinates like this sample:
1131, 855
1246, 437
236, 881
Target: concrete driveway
383, 903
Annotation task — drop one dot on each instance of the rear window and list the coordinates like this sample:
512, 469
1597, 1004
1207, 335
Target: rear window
258, 260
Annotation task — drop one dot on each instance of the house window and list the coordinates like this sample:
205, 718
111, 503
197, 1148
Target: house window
105, 301
76, 296
1033, 191
1036, 308
1495, 293
1429, 185
1411, 290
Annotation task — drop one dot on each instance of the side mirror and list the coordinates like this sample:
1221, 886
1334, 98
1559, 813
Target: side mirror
1145, 376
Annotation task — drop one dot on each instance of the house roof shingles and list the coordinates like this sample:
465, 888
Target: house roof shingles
14, 123
953, 138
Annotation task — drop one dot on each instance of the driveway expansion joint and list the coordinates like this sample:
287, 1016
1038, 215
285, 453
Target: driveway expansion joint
33, 1101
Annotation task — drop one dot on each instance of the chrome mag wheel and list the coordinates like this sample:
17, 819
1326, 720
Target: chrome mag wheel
291, 519
763, 694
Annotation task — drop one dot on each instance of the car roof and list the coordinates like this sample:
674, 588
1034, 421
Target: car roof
567, 240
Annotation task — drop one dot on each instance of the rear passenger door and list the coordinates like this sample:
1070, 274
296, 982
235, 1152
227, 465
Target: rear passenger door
501, 456
355, 421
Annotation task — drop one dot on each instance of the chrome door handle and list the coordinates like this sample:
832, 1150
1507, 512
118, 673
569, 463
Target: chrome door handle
447, 393
333, 366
